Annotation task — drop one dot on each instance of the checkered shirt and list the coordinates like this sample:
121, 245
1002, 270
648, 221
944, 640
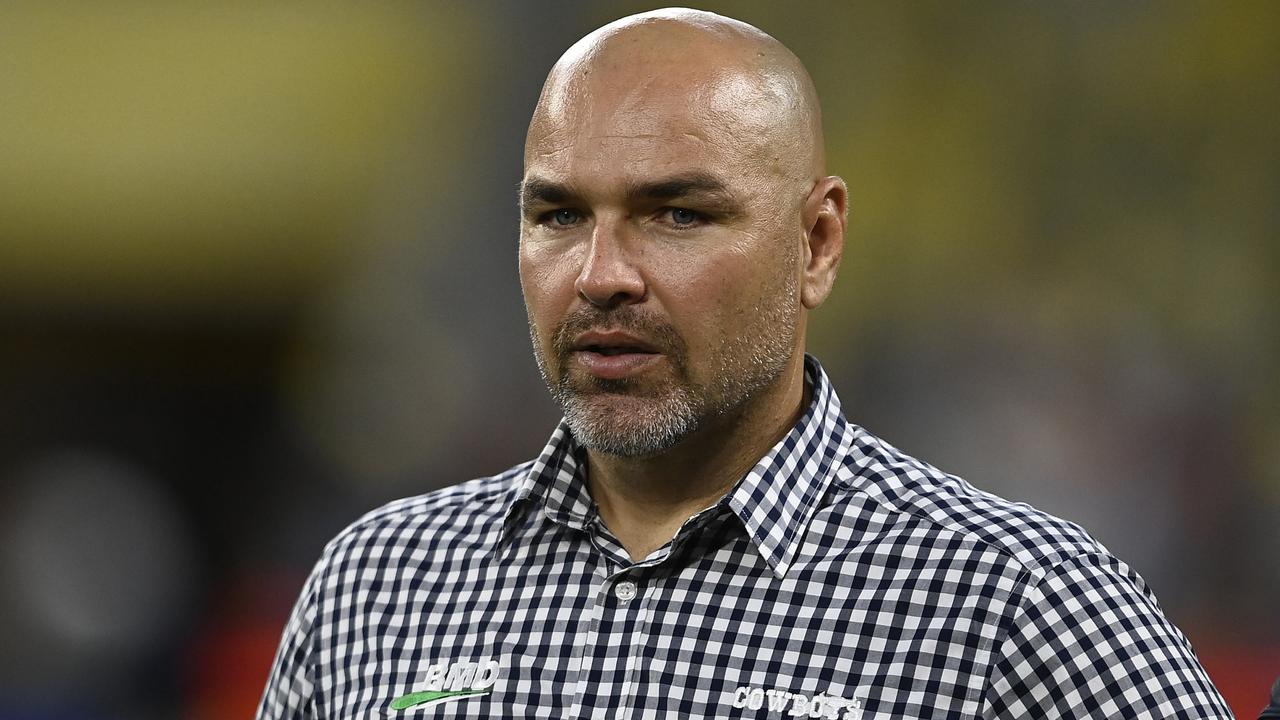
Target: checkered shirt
839, 578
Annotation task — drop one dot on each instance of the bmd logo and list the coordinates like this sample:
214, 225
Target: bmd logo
446, 682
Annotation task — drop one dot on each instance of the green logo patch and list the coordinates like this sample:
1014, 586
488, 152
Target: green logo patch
444, 682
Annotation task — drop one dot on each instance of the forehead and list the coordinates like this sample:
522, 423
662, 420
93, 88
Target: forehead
658, 122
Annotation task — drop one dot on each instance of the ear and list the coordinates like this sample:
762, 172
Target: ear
824, 218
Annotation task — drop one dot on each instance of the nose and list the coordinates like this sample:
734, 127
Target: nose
610, 278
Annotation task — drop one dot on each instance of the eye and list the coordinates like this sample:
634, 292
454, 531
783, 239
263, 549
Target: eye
683, 216
565, 216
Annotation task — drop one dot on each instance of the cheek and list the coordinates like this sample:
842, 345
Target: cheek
723, 298
547, 279
706, 297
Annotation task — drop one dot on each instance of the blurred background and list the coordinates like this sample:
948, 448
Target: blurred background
258, 276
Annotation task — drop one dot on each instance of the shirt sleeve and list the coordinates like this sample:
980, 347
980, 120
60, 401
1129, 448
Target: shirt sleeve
290, 691
1090, 641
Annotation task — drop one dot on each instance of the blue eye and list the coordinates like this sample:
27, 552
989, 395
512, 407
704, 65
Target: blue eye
566, 217
681, 216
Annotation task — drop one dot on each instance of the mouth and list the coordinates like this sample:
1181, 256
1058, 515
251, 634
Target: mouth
613, 342
614, 355
612, 350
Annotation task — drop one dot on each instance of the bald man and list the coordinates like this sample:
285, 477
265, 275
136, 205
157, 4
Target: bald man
705, 535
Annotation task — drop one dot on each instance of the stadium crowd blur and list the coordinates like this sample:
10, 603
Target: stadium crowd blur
257, 276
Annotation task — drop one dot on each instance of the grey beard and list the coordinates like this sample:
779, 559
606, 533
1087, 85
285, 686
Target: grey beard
661, 421
661, 427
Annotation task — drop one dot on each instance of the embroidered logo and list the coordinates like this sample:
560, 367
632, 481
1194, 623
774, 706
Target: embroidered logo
446, 682
798, 704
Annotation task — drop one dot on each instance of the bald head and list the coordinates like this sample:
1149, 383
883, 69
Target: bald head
728, 79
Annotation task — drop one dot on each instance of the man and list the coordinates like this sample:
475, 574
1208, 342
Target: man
705, 535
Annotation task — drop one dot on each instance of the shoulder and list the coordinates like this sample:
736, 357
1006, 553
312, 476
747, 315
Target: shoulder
462, 514
913, 493
1080, 635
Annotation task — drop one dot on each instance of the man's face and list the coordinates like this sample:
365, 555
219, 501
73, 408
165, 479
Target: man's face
659, 256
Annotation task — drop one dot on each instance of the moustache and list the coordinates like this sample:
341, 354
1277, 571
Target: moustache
646, 326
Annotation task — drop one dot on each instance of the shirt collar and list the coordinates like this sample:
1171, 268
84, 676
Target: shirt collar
775, 500
778, 497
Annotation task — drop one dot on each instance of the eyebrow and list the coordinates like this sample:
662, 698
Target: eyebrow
696, 183
536, 189
541, 190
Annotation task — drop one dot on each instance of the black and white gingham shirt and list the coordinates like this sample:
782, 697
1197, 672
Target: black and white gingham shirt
839, 579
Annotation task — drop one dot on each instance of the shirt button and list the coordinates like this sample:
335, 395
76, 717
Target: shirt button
624, 590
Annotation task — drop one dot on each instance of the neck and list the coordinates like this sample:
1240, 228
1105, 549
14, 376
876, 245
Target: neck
644, 501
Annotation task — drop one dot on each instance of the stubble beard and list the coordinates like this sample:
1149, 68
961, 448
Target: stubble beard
643, 417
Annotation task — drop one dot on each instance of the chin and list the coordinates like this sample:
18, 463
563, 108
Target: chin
627, 426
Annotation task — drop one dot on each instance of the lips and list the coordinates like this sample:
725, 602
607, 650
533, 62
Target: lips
612, 343
614, 355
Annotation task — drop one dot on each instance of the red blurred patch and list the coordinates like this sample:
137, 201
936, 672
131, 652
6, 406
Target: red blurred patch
1243, 674
232, 653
